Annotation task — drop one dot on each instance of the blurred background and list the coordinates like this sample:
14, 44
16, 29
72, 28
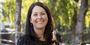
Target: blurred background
70, 17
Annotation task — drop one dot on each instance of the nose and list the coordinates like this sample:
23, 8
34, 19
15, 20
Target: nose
39, 16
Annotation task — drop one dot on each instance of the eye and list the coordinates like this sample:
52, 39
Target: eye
42, 13
35, 14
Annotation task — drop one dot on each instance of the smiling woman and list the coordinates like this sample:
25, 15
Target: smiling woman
38, 26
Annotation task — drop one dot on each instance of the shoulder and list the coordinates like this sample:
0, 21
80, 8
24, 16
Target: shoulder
21, 40
24, 40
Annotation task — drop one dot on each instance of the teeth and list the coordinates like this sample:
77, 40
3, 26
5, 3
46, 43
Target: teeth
39, 22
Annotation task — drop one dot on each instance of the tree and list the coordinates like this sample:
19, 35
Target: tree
18, 18
8, 11
80, 22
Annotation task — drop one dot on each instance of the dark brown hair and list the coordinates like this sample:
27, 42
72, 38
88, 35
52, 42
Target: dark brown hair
49, 27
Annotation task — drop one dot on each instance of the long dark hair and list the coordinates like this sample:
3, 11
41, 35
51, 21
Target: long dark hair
49, 27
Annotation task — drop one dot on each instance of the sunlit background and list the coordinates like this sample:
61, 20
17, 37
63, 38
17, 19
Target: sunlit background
63, 12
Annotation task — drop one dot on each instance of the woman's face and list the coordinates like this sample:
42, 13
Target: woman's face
39, 17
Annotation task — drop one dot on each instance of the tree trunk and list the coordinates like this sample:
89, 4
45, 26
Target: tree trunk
80, 21
17, 19
73, 24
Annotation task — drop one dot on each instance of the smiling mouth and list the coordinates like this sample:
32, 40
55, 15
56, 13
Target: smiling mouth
39, 22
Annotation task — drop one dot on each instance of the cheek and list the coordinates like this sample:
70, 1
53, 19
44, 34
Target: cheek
32, 20
46, 18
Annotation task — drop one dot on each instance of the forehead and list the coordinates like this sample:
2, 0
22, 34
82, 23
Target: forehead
38, 9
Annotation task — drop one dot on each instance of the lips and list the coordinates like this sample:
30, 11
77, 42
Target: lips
39, 21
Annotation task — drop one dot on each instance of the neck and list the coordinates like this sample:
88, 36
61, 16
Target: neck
39, 33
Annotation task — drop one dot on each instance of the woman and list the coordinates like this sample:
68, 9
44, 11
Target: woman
38, 26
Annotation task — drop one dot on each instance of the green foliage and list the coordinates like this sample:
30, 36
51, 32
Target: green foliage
62, 11
87, 18
8, 12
